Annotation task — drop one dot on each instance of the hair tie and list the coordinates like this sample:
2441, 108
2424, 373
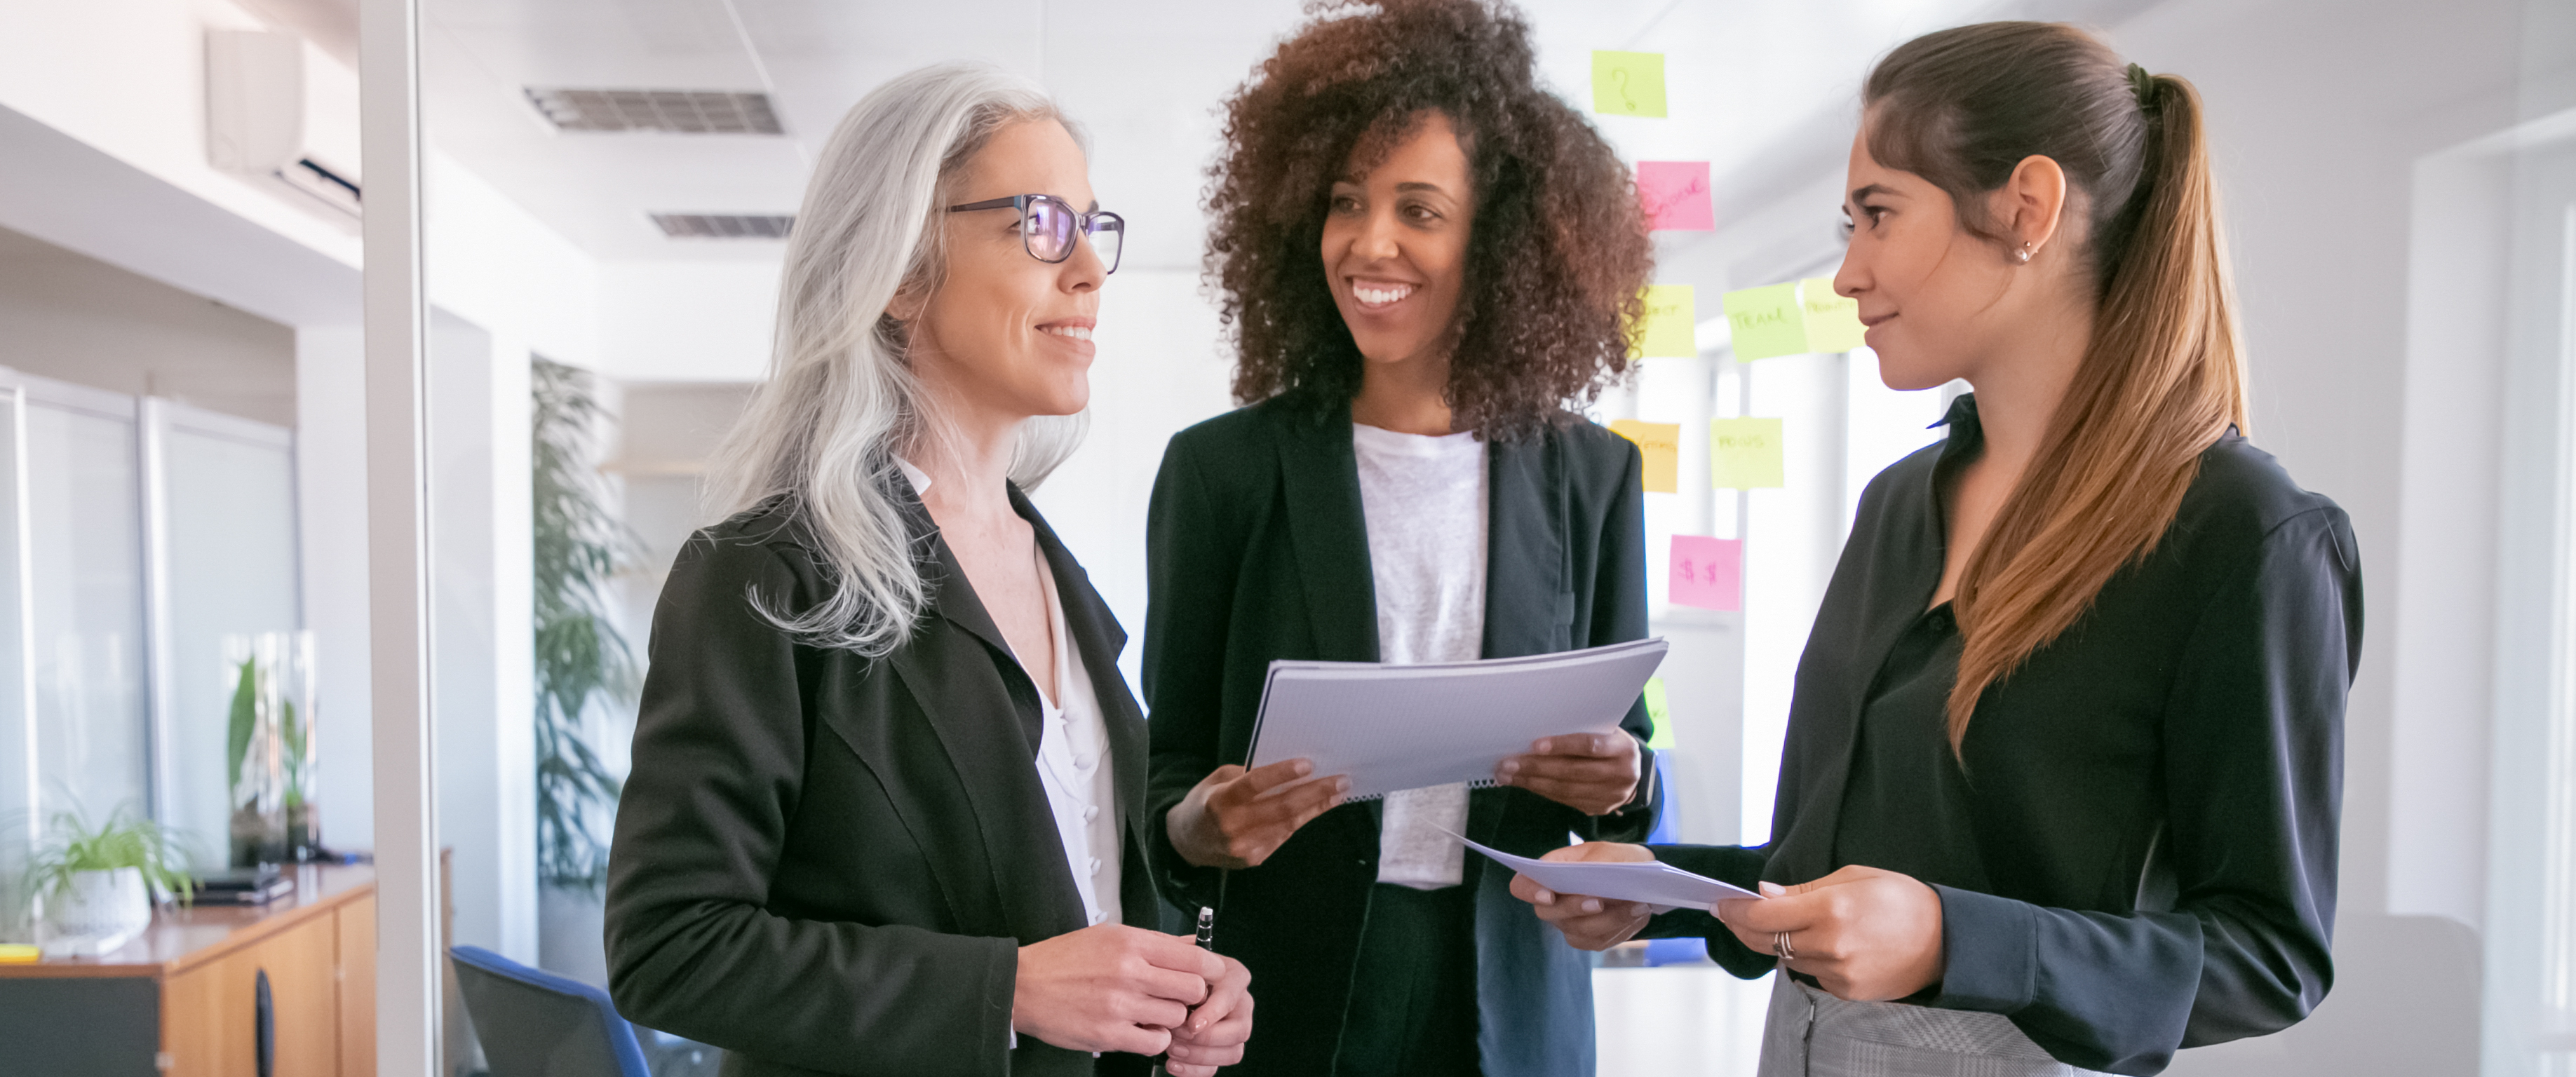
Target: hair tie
2143, 85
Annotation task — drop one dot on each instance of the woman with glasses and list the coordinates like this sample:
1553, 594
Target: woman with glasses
887, 805
1428, 260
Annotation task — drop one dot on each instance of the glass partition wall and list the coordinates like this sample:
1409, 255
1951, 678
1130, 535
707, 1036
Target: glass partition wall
136, 534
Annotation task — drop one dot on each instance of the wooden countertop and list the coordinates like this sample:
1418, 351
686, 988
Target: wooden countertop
180, 939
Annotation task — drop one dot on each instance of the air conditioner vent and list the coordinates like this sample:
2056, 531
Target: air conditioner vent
724, 225
679, 112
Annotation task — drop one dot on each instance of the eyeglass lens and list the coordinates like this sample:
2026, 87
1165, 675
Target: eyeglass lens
1049, 227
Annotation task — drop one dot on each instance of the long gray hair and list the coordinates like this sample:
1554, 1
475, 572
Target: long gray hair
841, 402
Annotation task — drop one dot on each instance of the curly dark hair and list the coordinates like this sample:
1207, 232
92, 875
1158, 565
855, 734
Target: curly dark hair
1558, 255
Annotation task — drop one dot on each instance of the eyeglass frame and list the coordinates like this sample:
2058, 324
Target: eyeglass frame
1082, 225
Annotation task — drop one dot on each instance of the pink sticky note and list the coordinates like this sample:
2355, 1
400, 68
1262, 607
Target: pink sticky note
1675, 194
1708, 572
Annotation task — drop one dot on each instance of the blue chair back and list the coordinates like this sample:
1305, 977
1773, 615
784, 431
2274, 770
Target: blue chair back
533, 1023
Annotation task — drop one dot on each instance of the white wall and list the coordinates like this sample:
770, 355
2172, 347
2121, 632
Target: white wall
685, 321
331, 498
1162, 365
70, 317
482, 697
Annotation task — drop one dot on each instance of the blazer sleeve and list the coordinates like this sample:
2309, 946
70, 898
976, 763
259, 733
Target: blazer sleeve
2253, 744
719, 764
1619, 616
1189, 598
1733, 864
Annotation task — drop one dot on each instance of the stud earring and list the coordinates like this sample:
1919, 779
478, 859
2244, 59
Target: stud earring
2023, 255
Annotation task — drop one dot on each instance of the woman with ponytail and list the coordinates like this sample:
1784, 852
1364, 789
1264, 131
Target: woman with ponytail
2064, 764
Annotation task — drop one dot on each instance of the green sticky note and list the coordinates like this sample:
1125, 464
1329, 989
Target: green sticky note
1744, 454
1628, 83
1659, 715
1833, 321
1766, 322
1668, 328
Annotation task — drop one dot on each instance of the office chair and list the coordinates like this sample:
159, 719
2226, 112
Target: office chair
533, 1023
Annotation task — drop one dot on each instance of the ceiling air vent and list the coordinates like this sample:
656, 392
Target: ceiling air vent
679, 112
724, 225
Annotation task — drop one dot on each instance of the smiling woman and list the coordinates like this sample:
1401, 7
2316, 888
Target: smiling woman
887, 778
1428, 261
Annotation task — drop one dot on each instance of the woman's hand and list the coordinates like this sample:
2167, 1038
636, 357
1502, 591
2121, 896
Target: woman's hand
1110, 987
1593, 773
1236, 818
1217, 1028
1589, 923
1866, 935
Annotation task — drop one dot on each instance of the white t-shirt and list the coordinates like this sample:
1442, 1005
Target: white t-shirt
1424, 500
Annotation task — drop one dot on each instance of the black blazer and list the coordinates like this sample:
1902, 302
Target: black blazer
1257, 550
827, 864
2152, 800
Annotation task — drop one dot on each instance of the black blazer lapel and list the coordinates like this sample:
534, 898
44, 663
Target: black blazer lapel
1329, 530
1529, 604
985, 713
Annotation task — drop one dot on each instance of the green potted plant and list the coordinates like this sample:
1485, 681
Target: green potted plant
98, 882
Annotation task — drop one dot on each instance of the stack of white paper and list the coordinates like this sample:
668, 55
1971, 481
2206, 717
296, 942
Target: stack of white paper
1407, 727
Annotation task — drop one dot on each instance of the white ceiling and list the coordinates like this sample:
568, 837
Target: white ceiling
1763, 91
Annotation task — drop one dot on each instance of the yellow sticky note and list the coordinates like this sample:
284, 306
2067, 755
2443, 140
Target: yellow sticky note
1628, 83
1661, 445
1667, 329
1766, 322
1744, 454
1660, 713
1833, 321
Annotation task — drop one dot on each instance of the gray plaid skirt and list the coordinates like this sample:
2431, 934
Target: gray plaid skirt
1813, 1034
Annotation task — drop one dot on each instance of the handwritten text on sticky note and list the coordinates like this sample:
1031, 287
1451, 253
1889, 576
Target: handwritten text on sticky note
1766, 322
1628, 83
1667, 327
1661, 445
1832, 321
1744, 454
1675, 195
1708, 572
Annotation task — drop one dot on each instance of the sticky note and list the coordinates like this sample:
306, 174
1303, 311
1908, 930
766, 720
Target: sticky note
1628, 83
1667, 328
1744, 454
1766, 322
1675, 196
1832, 321
1661, 445
1708, 572
1659, 716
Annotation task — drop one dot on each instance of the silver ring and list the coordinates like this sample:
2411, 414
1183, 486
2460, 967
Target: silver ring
1780, 947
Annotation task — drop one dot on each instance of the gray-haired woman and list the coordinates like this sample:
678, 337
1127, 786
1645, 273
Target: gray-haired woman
887, 783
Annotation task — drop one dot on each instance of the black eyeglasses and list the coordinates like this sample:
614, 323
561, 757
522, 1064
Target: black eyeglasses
1048, 225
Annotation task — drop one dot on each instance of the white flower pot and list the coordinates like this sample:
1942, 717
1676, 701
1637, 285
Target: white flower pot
104, 903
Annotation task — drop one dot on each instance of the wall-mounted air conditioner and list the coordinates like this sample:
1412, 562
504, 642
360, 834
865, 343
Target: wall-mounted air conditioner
282, 113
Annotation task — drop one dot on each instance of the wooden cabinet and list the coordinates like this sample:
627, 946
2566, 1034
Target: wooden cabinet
191, 991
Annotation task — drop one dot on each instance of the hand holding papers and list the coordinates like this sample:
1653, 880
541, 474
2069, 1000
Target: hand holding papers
1407, 727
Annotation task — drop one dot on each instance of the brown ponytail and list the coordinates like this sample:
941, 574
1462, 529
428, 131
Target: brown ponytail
2164, 375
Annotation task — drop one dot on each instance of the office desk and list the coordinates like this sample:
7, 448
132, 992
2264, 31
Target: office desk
182, 1000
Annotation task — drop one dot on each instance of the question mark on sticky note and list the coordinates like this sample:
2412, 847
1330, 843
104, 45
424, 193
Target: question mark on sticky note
1620, 75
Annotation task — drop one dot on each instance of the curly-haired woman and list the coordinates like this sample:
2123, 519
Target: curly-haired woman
1426, 259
